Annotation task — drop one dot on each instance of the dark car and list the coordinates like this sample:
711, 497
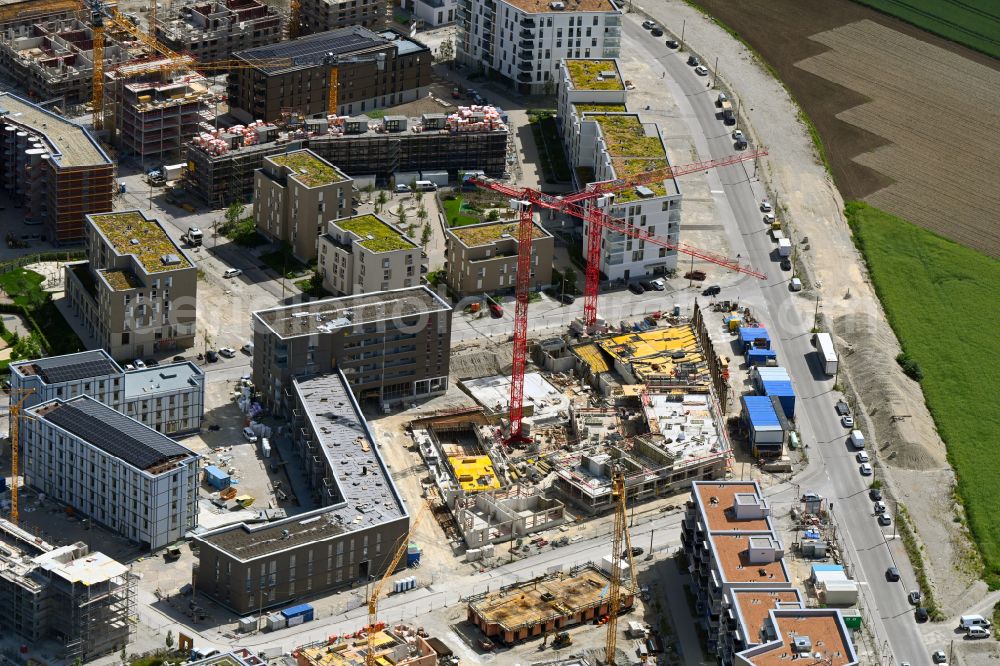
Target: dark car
646, 284
786, 264
178, 359
212, 356
875, 494
892, 574
713, 290
921, 615
152, 362
636, 288
656, 32
672, 43
636, 550
568, 299
914, 597
843, 409
693, 61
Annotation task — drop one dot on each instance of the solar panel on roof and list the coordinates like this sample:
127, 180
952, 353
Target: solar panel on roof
115, 433
56, 374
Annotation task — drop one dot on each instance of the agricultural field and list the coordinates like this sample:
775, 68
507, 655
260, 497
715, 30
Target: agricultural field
974, 23
903, 114
938, 296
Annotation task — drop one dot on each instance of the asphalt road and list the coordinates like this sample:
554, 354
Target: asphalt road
832, 471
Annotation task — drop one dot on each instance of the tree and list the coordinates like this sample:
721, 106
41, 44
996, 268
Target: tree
446, 51
401, 214
569, 280
422, 213
381, 200
425, 236
170, 639
493, 215
368, 189
27, 347
235, 213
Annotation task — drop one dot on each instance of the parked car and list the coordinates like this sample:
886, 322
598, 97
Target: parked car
847, 421
977, 632
656, 32
865, 469
878, 508
249, 434
921, 615
740, 137
884, 519
862, 457
713, 290
765, 205
795, 284
659, 284
211, 356
636, 288
646, 284
247, 348
179, 359
636, 551
939, 657
403, 188
693, 61
648, 25
231, 273
139, 363
568, 299
228, 352
875, 495
701, 70
914, 597
672, 43
892, 574
786, 264
843, 409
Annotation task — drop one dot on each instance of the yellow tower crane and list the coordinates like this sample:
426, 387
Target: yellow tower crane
15, 463
621, 546
370, 658
97, 101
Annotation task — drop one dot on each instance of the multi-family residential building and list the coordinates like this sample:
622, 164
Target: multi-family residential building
523, 41
167, 398
605, 142
391, 346
482, 258
294, 194
212, 31
137, 292
364, 254
374, 70
82, 600
52, 168
745, 597
137, 482
347, 542
323, 15
433, 13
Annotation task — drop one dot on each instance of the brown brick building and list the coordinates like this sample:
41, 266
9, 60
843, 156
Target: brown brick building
375, 70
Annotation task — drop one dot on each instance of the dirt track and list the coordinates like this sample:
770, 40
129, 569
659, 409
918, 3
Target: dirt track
904, 115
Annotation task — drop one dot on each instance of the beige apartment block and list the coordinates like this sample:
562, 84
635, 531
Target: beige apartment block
364, 254
137, 292
294, 194
483, 257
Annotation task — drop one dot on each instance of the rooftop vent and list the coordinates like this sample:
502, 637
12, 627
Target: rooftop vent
134, 241
558, 6
802, 645
170, 260
608, 74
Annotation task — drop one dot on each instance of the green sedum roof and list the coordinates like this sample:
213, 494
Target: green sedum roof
482, 234
309, 169
586, 75
383, 237
631, 151
131, 233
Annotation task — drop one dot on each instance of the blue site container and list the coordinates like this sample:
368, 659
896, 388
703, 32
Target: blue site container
216, 478
299, 614
784, 392
754, 336
760, 356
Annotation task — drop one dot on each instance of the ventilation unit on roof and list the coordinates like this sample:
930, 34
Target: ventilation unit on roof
802, 645
558, 6
170, 260
134, 241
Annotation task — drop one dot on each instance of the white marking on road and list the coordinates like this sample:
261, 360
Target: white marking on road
717, 191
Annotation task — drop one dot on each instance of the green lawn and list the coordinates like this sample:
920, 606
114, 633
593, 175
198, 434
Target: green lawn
456, 218
25, 288
974, 23
283, 262
941, 299
545, 130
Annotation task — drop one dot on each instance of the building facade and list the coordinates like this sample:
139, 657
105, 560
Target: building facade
52, 169
364, 254
212, 31
433, 13
120, 473
374, 70
322, 15
137, 293
605, 141
168, 398
392, 346
482, 258
522, 41
347, 542
294, 194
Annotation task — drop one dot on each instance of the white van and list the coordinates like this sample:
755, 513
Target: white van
968, 621
857, 439
425, 186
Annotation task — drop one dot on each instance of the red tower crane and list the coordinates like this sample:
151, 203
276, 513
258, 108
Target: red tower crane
522, 201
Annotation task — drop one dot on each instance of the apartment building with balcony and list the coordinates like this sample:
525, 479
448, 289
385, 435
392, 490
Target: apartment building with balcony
168, 398
137, 292
434, 13
392, 346
605, 142
295, 194
482, 258
322, 15
523, 41
110, 468
365, 254
746, 601
212, 31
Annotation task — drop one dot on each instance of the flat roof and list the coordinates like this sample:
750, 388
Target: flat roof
132, 233
634, 147
161, 378
597, 107
333, 314
753, 607
731, 552
716, 502
69, 145
70, 367
829, 641
111, 431
594, 74
309, 168
90, 569
658, 352
545, 6
310, 51
367, 493
374, 233
474, 235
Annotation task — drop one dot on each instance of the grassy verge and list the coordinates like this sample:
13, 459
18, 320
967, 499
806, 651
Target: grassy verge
243, 232
939, 298
313, 286
283, 262
916, 555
